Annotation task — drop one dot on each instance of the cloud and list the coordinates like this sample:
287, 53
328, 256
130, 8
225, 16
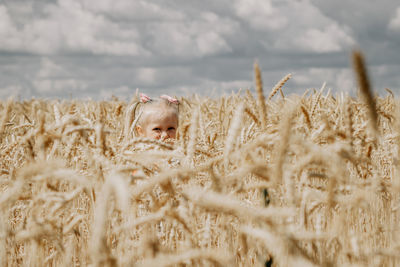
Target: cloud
53, 79
330, 39
292, 26
310, 30
202, 35
102, 47
260, 14
49, 69
11, 91
98, 27
138, 10
146, 76
123, 92
67, 27
338, 79
9, 39
51, 87
394, 23
161, 77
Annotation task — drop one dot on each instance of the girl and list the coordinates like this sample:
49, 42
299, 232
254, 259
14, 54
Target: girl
158, 118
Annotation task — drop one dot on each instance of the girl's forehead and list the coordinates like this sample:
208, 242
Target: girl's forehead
160, 110
157, 113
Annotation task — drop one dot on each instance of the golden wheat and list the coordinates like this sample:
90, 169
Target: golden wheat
306, 184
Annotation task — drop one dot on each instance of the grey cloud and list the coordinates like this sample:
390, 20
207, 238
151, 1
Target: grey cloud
91, 48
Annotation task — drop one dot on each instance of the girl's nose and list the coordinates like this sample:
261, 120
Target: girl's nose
164, 135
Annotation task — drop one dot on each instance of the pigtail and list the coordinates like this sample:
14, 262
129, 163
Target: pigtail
133, 126
130, 115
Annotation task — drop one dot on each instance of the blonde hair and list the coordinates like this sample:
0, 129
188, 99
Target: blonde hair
156, 103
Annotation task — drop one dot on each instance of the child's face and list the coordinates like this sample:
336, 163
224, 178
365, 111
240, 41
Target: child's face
159, 123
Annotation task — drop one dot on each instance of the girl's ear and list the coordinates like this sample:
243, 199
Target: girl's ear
139, 130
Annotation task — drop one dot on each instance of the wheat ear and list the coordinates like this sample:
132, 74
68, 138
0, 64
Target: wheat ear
278, 86
260, 95
363, 81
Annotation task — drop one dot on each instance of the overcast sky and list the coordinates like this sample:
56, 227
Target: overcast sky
96, 48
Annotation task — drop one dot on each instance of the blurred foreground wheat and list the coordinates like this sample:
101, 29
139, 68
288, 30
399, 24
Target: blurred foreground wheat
307, 183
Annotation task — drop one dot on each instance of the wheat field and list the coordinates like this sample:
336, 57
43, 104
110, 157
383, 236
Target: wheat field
309, 180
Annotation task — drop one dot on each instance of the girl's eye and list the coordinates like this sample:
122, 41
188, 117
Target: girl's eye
156, 129
171, 128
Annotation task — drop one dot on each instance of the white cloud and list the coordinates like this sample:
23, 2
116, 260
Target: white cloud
67, 27
293, 26
394, 23
74, 26
344, 80
146, 76
169, 46
9, 39
260, 14
52, 86
311, 30
162, 77
195, 37
330, 39
210, 43
98, 27
133, 10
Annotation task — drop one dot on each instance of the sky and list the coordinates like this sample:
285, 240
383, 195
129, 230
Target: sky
99, 48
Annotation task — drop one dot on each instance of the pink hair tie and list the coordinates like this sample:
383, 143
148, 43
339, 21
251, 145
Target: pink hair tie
144, 98
170, 99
